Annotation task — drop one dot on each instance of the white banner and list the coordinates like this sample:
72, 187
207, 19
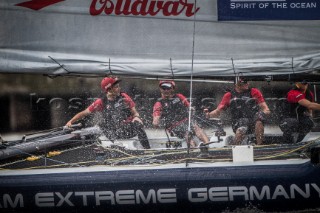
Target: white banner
149, 38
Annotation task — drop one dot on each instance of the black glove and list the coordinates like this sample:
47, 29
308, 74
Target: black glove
260, 116
203, 147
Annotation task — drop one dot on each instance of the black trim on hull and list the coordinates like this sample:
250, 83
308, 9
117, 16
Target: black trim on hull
274, 187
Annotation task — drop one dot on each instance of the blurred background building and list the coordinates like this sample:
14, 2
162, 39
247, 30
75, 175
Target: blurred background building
36, 102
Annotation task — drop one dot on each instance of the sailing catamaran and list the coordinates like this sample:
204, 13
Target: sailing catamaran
79, 170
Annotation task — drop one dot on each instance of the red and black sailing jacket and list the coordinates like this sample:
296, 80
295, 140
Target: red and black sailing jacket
173, 110
243, 105
116, 112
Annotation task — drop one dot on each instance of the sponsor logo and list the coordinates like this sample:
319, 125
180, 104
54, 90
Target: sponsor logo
143, 7
222, 194
38, 4
127, 7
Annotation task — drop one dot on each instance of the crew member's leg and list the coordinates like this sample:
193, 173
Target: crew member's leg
259, 132
189, 138
258, 121
200, 133
239, 135
132, 129
305, 126
289, 126
240, 128
110, 133
181, 131
142, 135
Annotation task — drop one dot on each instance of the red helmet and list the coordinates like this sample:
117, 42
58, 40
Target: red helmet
108, 82
168, 83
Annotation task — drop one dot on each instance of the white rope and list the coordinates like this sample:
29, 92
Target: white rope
191, 81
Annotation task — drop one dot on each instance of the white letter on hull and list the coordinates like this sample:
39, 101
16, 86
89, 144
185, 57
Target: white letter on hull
197, 195
104, 195
265, 192
8, 202
84, 196
316, 187
125, 197
167, 195
44, 199
280, 191
64, 199
238, 191
294, 188
218, 194
150, 196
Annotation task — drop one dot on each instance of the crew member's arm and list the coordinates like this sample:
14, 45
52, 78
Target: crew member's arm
185, 102
310, 105
215, 113
78, 116
225, 102
256, 94
157, 108
297, 97
135, 115
130, 103
156, 121
264, 108
95, 106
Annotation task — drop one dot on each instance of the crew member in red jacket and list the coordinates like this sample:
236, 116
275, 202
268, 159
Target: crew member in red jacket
120, 119
173, 110
298, 122
248, 111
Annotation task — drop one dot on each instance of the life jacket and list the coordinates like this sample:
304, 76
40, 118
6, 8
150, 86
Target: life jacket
115, 112
173, 110
295, 109
243, 105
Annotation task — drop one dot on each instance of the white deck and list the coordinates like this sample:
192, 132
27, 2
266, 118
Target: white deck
161, 134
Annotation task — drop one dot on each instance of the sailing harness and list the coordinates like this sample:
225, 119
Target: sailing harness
243, 105
117, 119
115, 112
174, 112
